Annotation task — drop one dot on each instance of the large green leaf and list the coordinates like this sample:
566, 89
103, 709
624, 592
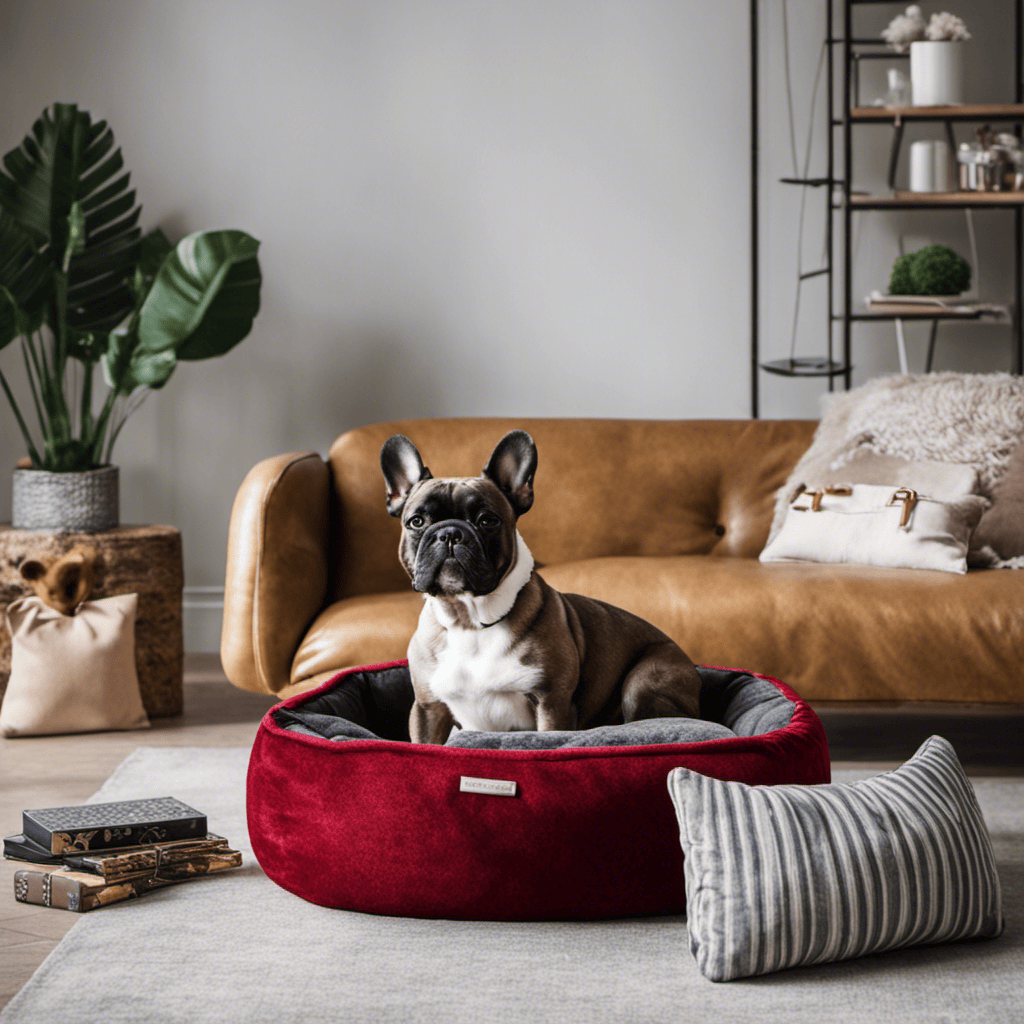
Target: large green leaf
153, 250
24, 281
69, 162
204, 298
124, 369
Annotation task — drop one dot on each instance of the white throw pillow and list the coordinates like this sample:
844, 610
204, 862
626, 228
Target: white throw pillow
72, 673
869, 524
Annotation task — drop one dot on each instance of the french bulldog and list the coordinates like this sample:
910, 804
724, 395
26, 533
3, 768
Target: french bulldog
496, 648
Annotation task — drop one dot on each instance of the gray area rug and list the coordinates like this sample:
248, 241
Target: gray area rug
238, 948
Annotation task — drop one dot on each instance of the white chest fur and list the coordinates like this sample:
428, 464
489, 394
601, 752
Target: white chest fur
478, 672
481, 679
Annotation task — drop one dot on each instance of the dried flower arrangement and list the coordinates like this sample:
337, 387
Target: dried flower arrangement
909, 27
904, 29
946, 26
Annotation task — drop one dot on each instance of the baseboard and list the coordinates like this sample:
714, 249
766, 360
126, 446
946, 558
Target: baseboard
202, 613
982, 736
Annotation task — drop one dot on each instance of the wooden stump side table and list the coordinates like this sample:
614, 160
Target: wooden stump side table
143, 560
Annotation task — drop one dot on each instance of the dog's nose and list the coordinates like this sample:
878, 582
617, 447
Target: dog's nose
450, 534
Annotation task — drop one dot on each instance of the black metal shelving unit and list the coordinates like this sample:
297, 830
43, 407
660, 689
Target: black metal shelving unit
843, 201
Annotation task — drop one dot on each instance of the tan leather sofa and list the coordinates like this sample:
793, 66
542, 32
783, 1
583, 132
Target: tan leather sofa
665, 518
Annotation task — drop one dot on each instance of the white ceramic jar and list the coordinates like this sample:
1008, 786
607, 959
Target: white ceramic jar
937, 72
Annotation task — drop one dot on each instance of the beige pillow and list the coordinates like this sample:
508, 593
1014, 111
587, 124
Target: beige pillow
947, 481
72, 673
1002, 526
866, 524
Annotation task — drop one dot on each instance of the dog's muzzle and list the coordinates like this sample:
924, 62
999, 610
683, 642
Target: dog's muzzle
450, 558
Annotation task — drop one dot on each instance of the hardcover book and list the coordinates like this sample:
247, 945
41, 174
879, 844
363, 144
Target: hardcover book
163, 858
77, 891
22, 848
107, 826
81, 891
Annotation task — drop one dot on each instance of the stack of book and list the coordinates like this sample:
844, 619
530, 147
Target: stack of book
80, 858
943, 306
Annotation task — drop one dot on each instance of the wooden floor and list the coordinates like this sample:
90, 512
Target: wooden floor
51, 771
59, 770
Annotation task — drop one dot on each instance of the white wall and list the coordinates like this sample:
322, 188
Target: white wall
479, 207
512, 207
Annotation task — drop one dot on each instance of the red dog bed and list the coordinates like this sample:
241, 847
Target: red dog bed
345, 812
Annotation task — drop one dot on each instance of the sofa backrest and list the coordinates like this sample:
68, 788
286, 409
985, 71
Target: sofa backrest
603, 488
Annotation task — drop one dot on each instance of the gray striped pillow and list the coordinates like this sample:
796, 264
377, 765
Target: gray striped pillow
779, 876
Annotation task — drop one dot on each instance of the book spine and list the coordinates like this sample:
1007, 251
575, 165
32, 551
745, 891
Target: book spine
68, 890
34, 831
222, 860
163, 864
21, 848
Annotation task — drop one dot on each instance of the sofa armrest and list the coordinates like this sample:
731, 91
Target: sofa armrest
276, 579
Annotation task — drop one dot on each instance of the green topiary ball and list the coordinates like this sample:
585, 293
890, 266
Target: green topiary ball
900, 282
938, 270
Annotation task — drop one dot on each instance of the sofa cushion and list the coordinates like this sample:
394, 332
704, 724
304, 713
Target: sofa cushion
838, 632
366, 630
1002, 526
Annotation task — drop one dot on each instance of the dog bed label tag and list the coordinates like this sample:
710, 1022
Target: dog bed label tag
492, 787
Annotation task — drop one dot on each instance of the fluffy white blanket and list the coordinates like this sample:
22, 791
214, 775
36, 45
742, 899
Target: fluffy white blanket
974, 419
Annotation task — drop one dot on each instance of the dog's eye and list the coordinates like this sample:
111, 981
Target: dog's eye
487, 521
416, 522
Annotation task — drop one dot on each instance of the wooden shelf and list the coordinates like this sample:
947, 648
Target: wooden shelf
965, 112
901, 200
910, 311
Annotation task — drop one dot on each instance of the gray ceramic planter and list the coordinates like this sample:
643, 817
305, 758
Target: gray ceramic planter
85, 502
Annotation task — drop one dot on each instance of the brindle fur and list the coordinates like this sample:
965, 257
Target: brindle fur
595, 664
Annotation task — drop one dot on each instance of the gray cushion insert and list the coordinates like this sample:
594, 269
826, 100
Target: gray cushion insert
756, 707
632, 734
732, 703
327, 726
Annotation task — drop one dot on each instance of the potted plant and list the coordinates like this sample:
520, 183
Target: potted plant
933, 270
81, 288
936, 57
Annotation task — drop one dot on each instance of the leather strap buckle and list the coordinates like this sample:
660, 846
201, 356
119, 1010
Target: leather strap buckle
909, 499
816, 496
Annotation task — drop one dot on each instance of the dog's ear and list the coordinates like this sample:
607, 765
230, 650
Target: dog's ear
32, 569
71, 583
403, 469
512, 466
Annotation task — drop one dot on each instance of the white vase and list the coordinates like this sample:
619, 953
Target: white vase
937, 72
929, 166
